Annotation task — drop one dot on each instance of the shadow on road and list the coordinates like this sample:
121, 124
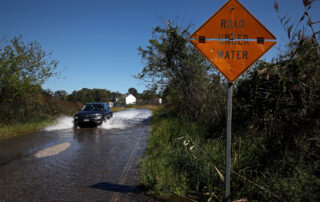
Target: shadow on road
116, 187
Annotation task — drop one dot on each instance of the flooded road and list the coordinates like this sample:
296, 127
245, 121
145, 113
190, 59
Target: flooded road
63, 163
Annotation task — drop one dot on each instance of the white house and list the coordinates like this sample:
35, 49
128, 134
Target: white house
130, 99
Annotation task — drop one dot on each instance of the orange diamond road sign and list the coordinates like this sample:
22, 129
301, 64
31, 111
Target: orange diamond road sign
233, 39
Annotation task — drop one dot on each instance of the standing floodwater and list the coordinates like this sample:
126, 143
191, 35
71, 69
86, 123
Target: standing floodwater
65, 163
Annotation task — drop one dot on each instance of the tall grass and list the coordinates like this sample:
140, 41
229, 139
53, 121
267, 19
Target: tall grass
179, 161
182, 161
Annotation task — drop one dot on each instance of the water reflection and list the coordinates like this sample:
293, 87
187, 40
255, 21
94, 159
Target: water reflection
86, 135
53, 150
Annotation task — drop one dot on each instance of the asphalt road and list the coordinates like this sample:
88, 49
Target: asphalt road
63, 163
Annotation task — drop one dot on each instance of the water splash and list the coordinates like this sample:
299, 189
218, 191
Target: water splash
126, 118
122, 119
65, 122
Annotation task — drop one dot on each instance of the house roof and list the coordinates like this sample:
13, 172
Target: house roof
130, 95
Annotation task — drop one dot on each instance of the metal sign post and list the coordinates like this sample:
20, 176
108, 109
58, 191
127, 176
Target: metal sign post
232, 40
228, 142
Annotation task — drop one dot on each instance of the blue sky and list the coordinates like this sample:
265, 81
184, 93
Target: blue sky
96, 41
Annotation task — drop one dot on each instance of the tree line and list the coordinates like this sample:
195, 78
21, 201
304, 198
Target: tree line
86, 95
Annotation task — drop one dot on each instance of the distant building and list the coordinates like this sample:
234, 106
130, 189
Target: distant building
130, 99
110, 104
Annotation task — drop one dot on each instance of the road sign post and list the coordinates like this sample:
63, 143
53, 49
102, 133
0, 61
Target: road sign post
232, 40
228, 142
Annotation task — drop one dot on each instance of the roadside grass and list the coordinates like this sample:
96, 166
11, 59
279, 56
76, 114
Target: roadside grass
183, 161
153, 108
8, 131
116, 109
48, 110
179, 162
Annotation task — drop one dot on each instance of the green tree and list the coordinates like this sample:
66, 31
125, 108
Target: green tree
183, 76
102, 95
61, 94
147, 96
86, 95
114, 96
23, 70
133, 91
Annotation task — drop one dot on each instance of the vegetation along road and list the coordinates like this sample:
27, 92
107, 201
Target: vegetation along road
275, 143
65, 163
